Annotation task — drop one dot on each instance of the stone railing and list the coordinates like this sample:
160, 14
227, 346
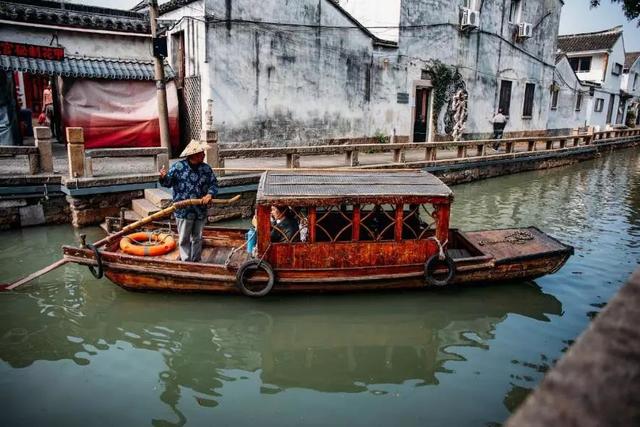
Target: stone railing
40, 156
432, 150
81, 160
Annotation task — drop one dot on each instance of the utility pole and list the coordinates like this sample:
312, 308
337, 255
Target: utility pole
161, 91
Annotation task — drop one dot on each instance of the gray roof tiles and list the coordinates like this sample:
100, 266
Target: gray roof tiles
630, 58
582, 42
74, 15
86, 67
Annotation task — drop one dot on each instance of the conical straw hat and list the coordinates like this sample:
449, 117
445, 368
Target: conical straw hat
194, 147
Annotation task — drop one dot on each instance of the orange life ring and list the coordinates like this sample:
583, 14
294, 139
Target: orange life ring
164, 244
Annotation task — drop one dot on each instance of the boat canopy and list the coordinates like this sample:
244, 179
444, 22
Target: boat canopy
311, 188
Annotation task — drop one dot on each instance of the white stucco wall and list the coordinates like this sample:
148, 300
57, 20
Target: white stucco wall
598, 63
628, 79
277, 84
81, 41
489, 56
565, 115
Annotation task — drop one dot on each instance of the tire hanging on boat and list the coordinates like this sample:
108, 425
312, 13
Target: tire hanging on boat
99, 272
432, 264
252, 266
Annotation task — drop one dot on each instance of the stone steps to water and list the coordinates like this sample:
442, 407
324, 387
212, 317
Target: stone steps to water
131, 215
158, 196
143, 207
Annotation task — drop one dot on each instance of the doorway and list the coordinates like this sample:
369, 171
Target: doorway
421, 114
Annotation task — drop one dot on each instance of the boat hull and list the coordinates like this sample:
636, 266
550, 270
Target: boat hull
133, 273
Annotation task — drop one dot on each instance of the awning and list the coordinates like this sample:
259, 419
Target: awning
86, 67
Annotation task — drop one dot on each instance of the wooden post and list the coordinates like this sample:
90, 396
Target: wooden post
430, 154
442, 222
43, 142
509, 147
161, 91
312, 224
398, 225
351, 158
398, 155
88, 166
75, 150
355, 226
293, 161
34, 164
264, 228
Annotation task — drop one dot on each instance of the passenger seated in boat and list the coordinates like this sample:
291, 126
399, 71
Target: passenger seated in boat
284, 228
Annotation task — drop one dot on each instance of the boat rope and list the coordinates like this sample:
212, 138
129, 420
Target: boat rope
441, 254
519, 237
233, 251
151, 241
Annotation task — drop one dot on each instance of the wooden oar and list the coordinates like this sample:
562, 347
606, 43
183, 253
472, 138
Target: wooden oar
34, 275
161, 214
140, 223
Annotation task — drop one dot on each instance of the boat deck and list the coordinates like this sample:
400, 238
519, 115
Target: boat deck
515, 244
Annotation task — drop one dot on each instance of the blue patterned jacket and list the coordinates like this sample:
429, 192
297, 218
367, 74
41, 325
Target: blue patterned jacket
188, 182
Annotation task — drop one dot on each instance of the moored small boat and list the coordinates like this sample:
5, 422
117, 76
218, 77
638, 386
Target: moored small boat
344, 231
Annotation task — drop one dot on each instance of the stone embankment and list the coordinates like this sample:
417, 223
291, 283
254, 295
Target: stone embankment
597, 382
111, 180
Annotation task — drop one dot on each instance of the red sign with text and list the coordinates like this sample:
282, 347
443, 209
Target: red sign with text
31, 51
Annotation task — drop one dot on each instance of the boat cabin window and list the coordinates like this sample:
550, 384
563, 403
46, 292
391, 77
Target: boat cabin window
418, 221
377, 223
289, 225
334, 223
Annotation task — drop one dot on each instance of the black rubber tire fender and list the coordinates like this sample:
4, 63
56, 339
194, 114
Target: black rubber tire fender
99, 272
252, 265
433, 263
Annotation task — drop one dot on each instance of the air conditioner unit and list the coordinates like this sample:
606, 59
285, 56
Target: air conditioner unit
470, 19
525, 30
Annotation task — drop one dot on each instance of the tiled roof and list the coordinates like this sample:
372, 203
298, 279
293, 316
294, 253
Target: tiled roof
86, 67
630, 58
601, 40
74, 15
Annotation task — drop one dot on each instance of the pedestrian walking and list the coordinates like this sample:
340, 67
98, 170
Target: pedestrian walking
499, 122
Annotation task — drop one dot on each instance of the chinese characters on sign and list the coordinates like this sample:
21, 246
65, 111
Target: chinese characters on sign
31, 51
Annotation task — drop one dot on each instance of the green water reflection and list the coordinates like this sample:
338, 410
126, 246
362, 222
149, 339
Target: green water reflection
77, 351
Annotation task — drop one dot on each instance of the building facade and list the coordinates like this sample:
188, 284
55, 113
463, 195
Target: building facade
310, 71
103, 80
598, 60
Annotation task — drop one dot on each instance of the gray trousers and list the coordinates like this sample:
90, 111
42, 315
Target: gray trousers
190, 238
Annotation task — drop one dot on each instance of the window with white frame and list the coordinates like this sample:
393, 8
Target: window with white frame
617, 69
581, 64
514, 11
554, 99
470, 4
599, 105
527, 108
579, 102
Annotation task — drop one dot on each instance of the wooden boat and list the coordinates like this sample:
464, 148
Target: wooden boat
351, 231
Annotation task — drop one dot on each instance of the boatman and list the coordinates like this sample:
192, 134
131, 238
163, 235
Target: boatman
191, 178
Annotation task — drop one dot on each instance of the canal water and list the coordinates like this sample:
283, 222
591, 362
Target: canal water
78, 351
